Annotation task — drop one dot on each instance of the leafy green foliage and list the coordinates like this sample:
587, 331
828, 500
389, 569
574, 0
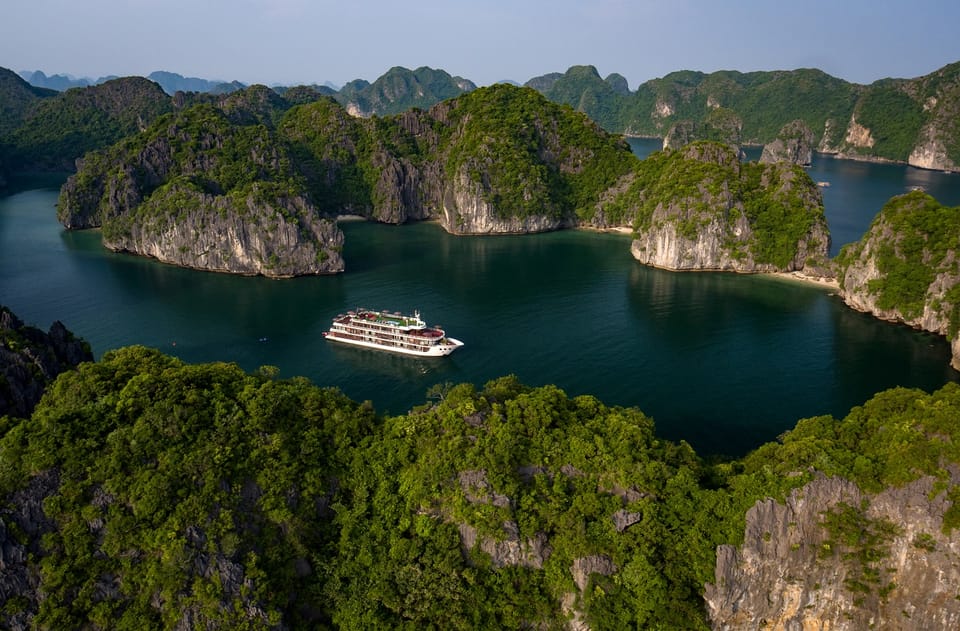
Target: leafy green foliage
898, 436
401, 89
242, 500
764, 101
176, 479
17, 97
916, 240
582, 89
706, 180
331, 148
894, 119
61, 129
532, 156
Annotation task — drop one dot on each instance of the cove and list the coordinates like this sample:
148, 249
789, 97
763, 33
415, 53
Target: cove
725, 362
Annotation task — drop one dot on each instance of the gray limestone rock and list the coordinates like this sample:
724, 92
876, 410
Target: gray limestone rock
794, 144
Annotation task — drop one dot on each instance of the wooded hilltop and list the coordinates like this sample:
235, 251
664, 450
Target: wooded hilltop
145, 492
912, 120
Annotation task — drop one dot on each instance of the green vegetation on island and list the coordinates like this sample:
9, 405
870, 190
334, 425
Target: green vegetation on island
906, 263
180, 494
61, 128
904, 119
534, 154
705, 184
524, 156
400, 89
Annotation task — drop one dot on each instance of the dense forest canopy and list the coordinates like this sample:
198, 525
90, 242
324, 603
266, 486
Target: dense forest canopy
199, 494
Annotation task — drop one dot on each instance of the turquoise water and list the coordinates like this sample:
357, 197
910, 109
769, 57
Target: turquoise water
725, 362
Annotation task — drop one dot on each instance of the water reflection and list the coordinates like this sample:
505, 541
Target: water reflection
723, 361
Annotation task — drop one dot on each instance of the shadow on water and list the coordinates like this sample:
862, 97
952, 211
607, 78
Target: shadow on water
723, 361
745, 349
872, 356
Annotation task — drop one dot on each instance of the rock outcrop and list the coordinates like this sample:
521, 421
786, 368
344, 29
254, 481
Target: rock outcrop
23, 523
278, 238
834, 557
466, 210
218, 186
680, 134
709, 211
205, 192
906, 269
720, 125
31, 359
794, 144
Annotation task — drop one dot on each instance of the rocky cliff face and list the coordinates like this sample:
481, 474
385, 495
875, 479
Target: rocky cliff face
22, 527
278, 238
680, 134
834, 557
939, 97
794, 144
30, 359
720, 125
668, 246
905, 269
467, 211
712, 222
905, 120
205, 193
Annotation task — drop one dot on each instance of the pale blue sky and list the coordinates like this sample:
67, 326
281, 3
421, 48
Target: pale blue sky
312, 41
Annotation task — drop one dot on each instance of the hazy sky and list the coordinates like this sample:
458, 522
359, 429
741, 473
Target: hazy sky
313, 41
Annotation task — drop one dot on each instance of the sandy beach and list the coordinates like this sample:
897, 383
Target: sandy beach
820, 281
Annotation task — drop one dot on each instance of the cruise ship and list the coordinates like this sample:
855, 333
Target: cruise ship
392, 332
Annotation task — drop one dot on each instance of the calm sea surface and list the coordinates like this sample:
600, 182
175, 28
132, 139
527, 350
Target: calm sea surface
725, 362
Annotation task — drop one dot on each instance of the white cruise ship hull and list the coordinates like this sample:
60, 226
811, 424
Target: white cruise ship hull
437, 350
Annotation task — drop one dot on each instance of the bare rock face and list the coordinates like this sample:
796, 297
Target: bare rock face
467, 211
794, 144
583, 567
834, 557
930, 152
669, 247
511, 549
905, 268
708, 227
30, 359
277, 238
680, 134
26, 517
397, 192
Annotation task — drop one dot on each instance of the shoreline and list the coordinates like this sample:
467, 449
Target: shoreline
799, 277
613, 230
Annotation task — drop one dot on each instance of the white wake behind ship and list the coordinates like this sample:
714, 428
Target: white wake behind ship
392, 332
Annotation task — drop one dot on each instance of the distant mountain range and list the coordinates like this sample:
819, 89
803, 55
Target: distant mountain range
171, 82
914, 121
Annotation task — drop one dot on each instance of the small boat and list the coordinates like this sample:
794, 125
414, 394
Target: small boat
393, 332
